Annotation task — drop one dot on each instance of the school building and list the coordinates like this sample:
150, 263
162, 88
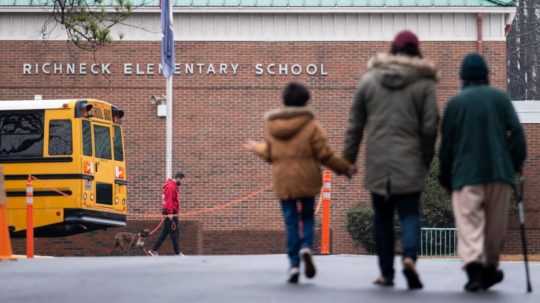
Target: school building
233, 58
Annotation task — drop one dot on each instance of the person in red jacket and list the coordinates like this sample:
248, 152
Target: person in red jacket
171, 206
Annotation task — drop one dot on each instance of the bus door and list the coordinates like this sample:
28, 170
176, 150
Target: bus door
89, 197
103, 165
120, 182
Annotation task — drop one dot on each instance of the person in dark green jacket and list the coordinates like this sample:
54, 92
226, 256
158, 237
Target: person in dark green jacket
483, 147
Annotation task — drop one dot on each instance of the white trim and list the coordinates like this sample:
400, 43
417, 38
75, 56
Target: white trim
239, 27
293, 10
528, 111
31, 104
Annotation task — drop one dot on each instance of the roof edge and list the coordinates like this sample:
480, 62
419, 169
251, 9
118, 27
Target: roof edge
292, 10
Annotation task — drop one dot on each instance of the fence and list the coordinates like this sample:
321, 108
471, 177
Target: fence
438, 241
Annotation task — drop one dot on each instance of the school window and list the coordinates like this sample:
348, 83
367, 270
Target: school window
21, 134
87, 138
118, 148
60, 137
102, 142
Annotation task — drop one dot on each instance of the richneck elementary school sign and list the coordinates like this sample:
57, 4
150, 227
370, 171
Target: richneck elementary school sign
140, 69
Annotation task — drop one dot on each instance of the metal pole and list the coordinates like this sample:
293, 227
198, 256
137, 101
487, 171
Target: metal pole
519, 198
169, 129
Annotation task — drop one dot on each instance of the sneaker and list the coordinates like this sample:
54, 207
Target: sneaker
180, 254
294, 274
474, 273
153, 253
491, 276
411, 275
309, 266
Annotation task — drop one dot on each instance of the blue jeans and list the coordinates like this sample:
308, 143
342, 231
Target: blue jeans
409, 216
292, 217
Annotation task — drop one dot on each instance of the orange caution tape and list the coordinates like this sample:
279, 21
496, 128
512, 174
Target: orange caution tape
52, 188
225, 205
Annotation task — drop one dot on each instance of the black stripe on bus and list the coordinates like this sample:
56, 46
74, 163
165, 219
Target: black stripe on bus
120, 182
39, 193
51, 177
37, 160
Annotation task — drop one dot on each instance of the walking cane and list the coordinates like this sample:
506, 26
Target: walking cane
519, 191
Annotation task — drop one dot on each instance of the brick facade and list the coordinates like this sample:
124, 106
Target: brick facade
214, 115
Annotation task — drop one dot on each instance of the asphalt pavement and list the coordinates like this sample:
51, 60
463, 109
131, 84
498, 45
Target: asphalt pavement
240, 279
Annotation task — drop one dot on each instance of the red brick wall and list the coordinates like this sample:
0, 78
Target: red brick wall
214, 115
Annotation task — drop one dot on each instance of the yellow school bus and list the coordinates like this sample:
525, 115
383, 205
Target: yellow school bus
74, 152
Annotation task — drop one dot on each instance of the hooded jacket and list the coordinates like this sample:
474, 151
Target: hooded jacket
296, 146
170, 197
395, 105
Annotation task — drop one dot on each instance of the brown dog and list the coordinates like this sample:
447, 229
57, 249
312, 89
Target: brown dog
125, 242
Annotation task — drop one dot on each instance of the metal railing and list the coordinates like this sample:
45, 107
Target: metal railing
438, 241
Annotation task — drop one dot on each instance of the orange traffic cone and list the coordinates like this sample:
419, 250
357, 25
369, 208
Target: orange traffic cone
5, 241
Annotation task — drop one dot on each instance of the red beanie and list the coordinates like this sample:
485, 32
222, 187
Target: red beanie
405, 39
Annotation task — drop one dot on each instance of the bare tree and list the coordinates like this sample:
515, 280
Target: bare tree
88, 23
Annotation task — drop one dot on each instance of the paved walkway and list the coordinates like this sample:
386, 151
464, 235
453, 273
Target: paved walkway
239, 279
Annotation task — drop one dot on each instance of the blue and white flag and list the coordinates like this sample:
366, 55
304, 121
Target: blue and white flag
167, 39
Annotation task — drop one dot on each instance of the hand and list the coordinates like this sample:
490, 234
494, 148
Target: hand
250, 145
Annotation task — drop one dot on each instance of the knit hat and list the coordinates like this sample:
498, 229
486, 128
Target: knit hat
405, 40
474, 68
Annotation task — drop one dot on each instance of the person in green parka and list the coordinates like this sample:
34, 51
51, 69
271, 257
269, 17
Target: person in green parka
482, 148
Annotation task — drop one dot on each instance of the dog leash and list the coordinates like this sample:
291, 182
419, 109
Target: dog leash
201, 211
157, 227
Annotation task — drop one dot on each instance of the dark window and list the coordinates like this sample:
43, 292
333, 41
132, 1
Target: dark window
104, 193
60, 137
87, 138
118, 148
102, 141
21, 134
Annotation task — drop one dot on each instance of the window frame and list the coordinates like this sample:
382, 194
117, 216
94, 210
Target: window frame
41, 147
70, 123
83, 151
96, 139
117, 132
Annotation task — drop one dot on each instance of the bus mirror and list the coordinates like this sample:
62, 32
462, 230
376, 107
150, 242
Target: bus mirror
86, 111
82, 109
117, 115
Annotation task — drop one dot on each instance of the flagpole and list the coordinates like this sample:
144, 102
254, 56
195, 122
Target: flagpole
169, 129
167, 61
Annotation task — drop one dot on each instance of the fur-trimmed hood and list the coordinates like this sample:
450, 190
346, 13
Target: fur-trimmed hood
284, 123
397, 71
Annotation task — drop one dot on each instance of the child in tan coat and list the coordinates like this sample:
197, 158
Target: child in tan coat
296, 146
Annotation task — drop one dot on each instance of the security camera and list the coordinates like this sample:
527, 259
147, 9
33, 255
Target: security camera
153, 100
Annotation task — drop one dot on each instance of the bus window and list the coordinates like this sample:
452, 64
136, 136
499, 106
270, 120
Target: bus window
60, 137
102, 141
87, 138
21, 134
118, 148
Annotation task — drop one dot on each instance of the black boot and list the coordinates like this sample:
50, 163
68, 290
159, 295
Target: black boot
474, 273
491, 276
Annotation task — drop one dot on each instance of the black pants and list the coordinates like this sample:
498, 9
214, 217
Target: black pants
409, 216
170, 228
